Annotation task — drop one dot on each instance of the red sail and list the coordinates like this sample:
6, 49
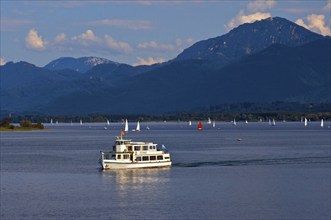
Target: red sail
199, 126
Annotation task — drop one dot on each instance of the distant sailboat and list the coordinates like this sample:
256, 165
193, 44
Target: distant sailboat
138, 126
209, 121
246, 122
214, 124
189, 123
126, 127
273, 122
108, 123
234, 122
51, 121
322, 123
81, 122
199, 126
306, 122
269, 122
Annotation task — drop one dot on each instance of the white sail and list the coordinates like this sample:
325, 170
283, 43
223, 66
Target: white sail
246, 122
214, 124
51, 121
306, 122
126, 128
81, 122
273, 122
322, 123
108, 122
138, 126
189, 123
234, 122
209, 121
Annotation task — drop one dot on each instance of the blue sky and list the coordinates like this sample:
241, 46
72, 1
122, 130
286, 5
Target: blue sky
135, 32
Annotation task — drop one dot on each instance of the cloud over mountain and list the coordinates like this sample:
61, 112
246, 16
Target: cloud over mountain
315, 23
35, 42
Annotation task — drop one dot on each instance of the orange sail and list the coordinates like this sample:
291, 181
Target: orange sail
200, 126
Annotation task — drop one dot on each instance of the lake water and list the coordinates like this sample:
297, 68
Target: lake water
248, 171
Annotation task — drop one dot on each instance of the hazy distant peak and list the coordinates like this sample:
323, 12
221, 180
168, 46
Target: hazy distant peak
82, 64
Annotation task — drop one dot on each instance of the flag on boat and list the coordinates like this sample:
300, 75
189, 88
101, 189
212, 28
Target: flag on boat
122, 132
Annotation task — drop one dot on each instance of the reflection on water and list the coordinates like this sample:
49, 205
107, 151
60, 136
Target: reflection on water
136, 178
131, 189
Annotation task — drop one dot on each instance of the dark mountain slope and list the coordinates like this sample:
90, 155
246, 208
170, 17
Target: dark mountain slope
248, 39
278, 73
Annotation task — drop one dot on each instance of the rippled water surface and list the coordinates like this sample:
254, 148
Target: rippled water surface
248, 171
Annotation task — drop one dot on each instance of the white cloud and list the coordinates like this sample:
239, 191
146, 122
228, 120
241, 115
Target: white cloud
315, 23
129, 24
89, 42
241, 18
261, 5
35, 42
2, 61
88, 35
60, 38
149, 61
120, 46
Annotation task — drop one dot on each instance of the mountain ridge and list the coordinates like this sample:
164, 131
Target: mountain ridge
297, 70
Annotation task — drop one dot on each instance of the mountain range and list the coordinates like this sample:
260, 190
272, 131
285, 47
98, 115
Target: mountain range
269, 60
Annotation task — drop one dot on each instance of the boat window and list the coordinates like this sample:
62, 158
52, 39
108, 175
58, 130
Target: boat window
167, 158
113, 156
125, 156
137, 148
129, 148
159, 157
138, 158
119, 156
145, 158
145, 147
152, 157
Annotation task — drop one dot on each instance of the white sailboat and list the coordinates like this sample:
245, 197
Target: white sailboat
234, 122
273, 122
108, 123
80, 122
126, 127
246, 122
189, 123
322, 123
51, 121
214, 124
306, 122
209, 121
138, 126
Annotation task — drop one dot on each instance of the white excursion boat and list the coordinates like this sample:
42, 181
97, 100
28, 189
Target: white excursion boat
127, 154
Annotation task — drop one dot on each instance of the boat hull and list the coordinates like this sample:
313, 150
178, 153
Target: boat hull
115, 166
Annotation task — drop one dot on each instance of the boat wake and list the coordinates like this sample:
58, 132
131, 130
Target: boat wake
275, 161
